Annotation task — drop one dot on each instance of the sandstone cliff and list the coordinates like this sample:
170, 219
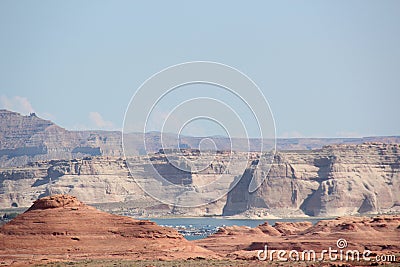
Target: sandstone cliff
335, 180
94, 180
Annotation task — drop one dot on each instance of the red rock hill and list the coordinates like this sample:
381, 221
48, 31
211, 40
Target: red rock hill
62, 227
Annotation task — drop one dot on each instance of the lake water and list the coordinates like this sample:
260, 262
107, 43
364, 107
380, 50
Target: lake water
197, 228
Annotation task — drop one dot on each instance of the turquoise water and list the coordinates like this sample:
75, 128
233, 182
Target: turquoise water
197, 228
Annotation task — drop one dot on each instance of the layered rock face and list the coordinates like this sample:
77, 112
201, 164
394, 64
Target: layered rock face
100, 180
61, 227
336, 180
333, 181
94, 180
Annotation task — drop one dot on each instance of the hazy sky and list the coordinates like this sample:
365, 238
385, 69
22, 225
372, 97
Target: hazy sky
327, 68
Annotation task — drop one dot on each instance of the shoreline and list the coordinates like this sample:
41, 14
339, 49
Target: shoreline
21, 210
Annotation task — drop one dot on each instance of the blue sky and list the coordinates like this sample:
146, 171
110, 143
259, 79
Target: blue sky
327, 68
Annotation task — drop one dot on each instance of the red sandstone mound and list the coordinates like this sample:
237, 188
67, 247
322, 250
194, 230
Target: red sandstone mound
56, 201
61, 227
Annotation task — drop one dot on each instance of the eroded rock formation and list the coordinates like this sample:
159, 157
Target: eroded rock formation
61, 227
380, 235
332, 181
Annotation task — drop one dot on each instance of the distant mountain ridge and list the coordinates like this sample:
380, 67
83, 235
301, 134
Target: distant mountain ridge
29, 138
